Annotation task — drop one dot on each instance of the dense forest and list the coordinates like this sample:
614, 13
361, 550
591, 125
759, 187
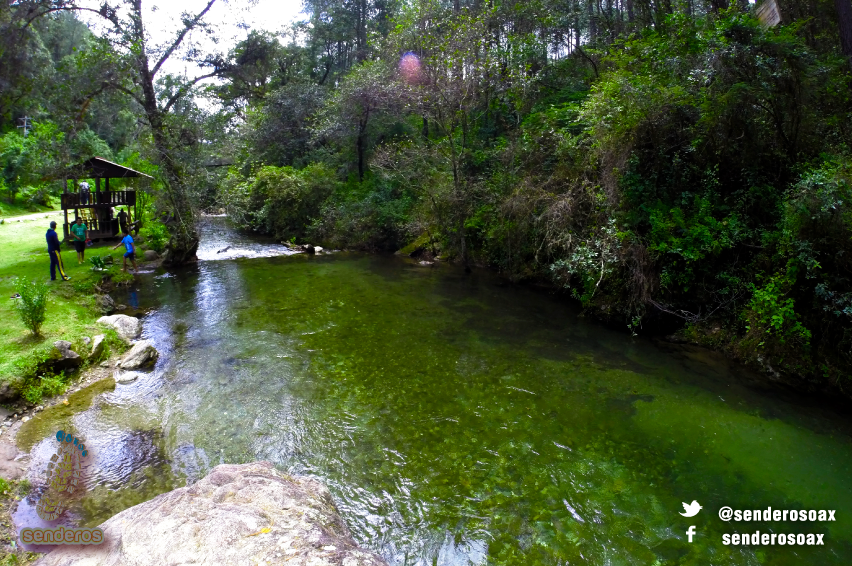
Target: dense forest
671, 165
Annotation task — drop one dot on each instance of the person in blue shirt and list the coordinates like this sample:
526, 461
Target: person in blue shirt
54, 249
130, 254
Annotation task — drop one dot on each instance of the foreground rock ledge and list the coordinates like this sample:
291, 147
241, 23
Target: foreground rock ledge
239, 514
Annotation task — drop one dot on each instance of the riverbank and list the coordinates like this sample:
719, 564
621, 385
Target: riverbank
15, 459
73, 306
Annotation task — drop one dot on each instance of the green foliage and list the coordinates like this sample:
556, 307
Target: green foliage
774, 314
97, 263
156, 235
121, 278
281, 201
32, 304
44, 386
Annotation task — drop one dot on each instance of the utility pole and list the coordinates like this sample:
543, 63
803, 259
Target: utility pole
25, 124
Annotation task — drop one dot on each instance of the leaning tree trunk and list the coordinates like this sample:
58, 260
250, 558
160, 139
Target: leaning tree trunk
844, 16
184, 241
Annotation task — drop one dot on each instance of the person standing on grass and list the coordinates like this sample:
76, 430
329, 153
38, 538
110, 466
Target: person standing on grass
78, 232
130, 254
122, 221
54, 249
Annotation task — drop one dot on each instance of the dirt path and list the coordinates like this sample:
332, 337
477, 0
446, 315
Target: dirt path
34, 216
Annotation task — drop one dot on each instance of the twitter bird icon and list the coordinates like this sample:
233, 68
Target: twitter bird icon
691, 509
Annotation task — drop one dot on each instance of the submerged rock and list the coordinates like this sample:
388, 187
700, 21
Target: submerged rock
238, 514
127, 327
140, 355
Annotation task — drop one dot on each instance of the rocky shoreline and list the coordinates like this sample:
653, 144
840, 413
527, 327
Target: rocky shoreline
237, 513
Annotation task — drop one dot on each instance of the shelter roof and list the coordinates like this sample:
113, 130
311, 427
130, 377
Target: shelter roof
100, 167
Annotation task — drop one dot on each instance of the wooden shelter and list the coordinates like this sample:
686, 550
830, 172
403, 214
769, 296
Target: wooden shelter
97, 207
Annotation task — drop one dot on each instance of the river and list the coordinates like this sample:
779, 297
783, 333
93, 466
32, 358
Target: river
457, 419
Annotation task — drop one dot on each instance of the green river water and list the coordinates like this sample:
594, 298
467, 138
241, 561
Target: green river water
455, 418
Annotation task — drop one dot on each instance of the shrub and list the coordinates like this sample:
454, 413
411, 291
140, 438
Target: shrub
281, 201
156, 235
33, 303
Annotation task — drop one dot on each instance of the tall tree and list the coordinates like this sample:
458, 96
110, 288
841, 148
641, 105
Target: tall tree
844, 19
144, 63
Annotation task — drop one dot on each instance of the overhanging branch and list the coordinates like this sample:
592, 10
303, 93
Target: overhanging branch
187, 28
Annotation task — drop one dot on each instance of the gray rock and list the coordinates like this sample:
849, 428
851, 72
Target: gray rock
150, 255
98, 345
318, 249
127, 327
238, 514
105, 303
7, 393
140, 355
87, 340
126, 376
63, 357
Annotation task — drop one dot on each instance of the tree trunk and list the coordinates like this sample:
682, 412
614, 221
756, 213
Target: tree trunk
360, 142
184, 241
844, 18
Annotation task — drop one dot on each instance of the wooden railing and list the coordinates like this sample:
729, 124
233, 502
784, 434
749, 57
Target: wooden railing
103, 198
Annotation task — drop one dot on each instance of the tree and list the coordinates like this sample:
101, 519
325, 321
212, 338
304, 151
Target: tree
140, 63
844, 20
368, 91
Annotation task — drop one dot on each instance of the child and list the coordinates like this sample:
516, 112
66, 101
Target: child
78, 232
130, 253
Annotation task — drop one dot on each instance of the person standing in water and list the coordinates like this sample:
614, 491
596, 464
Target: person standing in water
130, 252
54, 249
78, 232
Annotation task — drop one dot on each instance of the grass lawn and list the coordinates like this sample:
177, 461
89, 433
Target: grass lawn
71, 311
18, 207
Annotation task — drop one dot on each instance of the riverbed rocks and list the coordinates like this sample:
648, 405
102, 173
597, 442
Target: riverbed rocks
98, 345
105, 303
238, 514
140, 355
62, 357
128, 327
150, 255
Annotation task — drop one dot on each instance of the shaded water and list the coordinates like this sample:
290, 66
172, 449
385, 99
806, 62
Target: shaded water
457, 420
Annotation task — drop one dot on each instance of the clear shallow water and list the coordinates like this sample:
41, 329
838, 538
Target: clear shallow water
457, 419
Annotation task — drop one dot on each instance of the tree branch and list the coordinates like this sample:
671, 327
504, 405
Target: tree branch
182, 90
71, 8
188, 27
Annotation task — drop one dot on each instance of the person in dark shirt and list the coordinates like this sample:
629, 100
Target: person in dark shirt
54, 249
122, 221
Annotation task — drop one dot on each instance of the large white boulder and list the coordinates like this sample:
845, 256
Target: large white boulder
128, 327
140, 355
238, 514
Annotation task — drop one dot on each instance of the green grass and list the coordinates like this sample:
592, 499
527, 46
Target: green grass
18, 207
71, 311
